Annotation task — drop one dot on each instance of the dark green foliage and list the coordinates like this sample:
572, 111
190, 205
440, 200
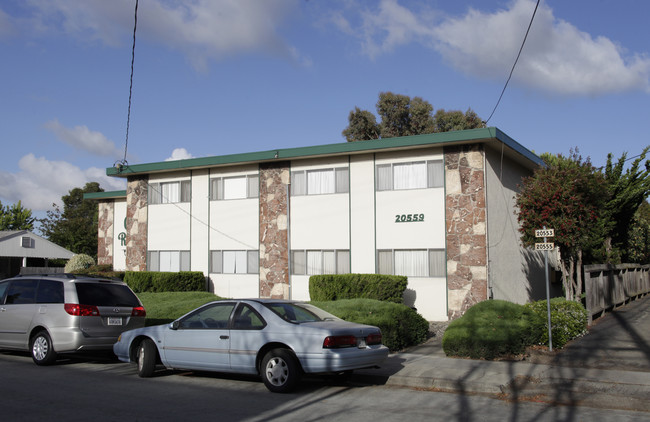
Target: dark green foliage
388, 288
490, 329
101, 271
568, 321
16, 217
74, 228
152, 281
400, 325
402, 115
628, 187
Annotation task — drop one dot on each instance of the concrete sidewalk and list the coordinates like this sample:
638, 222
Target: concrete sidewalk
609, 367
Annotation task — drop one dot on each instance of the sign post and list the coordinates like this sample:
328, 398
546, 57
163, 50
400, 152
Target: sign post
546, 246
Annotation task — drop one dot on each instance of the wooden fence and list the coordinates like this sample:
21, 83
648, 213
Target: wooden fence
609, 286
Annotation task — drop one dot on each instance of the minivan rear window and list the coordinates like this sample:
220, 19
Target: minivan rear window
106, 294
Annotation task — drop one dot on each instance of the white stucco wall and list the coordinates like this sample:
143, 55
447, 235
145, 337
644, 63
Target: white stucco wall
119, 227
515, 274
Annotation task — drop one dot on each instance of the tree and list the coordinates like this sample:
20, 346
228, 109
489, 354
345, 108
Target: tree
74, 228
16, 217
568, 197
627, 190
638, 249
404, 116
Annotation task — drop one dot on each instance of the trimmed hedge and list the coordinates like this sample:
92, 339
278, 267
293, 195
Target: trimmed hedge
568, 320
494, 328
490, 329
101, 271
400, 325
153, 281
388, 288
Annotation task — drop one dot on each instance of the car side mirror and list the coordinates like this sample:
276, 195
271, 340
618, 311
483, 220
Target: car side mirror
174, 325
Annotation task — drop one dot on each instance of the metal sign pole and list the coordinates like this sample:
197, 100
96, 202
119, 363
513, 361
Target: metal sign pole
548, 299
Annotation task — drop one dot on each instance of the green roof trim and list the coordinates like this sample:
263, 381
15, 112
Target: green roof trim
341, 148
105, 195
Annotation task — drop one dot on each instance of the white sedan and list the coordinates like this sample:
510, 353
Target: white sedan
277, 339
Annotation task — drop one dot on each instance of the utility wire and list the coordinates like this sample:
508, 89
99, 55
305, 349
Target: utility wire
514, 64
128, 116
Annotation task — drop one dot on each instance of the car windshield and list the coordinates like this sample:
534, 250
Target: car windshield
299, 312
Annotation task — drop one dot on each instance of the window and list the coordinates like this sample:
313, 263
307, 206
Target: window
313, 262
21, 292
170, 192
215, 316
412, 263
247, 318
235, 262
412, 175
240, 187
172, 261
320, 182
49, 291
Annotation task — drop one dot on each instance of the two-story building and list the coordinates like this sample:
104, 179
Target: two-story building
437, 208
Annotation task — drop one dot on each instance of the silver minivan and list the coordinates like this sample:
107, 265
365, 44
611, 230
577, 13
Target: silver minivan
62, 313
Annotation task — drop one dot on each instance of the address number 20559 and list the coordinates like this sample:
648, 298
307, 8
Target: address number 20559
408, 218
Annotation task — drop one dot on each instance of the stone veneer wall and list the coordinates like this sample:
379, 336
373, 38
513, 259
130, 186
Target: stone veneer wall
465, 228
274, 233
105, 233
136, 224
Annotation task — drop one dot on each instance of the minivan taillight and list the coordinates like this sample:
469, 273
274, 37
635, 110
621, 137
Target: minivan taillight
81, 310
139, 311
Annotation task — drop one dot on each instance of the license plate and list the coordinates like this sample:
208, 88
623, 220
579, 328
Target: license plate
114, 321
361, 343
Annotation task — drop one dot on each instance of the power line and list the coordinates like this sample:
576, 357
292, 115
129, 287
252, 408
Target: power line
514, 64
128, 116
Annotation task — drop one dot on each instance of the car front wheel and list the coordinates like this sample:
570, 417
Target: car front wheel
146, 358
280, 370
42, 349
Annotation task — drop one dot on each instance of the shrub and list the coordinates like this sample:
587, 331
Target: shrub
400, 325
568, 321
102, 271
79, 262
153, 281
490, 329
387, 288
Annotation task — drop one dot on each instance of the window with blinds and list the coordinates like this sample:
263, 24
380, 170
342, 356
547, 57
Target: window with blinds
411, 175
412, 263
320, 181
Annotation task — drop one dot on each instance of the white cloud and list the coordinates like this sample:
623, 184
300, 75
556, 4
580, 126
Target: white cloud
179, 154
81, 137
41, 182
203, 30
557, 58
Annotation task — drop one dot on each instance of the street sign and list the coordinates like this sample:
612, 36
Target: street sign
546, 246
545, 233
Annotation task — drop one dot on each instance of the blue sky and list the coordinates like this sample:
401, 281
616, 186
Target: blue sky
216, 77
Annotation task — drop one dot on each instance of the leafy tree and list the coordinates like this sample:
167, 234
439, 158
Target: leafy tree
404, 116
568, 197
638, 249
447, 121
627, 190
363, 126
16, 217
74, 228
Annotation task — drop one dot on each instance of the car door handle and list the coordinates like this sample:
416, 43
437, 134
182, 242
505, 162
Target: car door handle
224, 337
